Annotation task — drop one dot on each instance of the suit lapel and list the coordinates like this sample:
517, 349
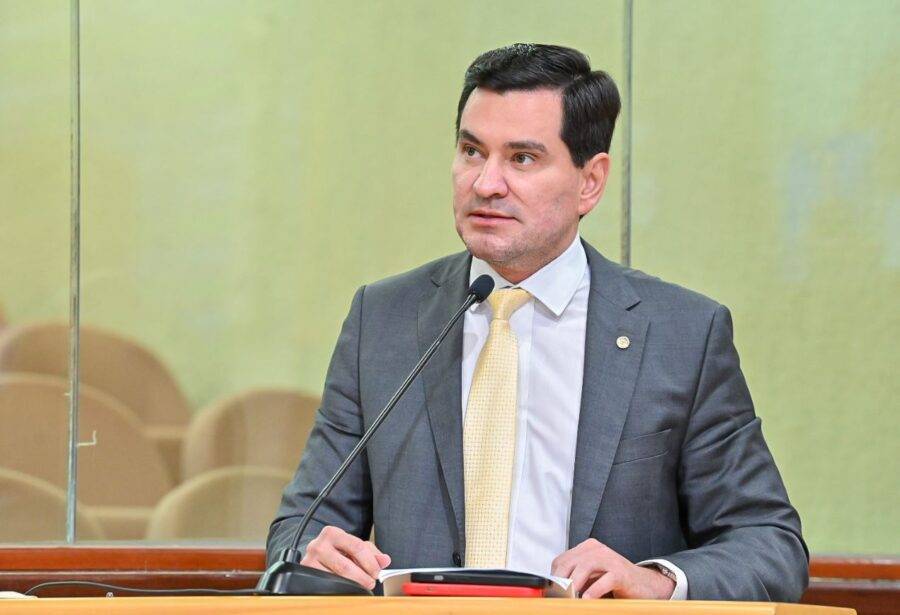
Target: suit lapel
610, 374
442, 376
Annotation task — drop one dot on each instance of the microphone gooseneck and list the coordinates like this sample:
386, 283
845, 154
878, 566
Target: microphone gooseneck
287, 576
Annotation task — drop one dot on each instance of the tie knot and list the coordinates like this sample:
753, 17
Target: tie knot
506, 301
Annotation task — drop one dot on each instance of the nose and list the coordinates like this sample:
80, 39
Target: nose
491, 183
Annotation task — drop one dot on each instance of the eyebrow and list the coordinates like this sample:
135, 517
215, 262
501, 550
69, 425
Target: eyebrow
532, 145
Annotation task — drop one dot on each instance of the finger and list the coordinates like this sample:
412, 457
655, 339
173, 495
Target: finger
602, 586
341, 565
313, 562
379, 554
312, 552
384, 560
381, 557
360, 551
583, 574
564, 563
320, 545
374, 548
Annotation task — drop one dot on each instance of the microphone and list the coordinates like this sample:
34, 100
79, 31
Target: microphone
287, 577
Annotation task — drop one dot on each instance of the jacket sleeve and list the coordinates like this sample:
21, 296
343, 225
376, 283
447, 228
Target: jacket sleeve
743, 534
338, 428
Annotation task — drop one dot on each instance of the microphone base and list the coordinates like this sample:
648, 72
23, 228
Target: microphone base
285, 578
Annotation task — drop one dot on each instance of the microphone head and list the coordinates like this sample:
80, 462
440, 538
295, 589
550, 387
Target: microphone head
482, 287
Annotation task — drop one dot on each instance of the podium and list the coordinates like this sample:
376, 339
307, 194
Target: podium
259, 605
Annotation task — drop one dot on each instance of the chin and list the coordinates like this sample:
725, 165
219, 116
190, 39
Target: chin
490, 248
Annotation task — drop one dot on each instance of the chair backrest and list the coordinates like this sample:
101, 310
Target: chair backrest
236, 503
123, 468
108, 362
32, 509
260, 427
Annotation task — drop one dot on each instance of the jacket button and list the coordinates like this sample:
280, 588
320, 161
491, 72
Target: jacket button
457, 560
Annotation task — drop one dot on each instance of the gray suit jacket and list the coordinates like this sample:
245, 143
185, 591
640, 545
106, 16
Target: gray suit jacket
670, 459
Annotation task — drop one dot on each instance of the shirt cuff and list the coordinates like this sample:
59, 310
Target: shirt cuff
681, 582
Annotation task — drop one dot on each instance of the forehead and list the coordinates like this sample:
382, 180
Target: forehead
514, 115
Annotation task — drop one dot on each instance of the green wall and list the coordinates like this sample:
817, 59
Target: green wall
247, 165
766, 151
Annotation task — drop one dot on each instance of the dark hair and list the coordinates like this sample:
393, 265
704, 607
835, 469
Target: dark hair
590, 98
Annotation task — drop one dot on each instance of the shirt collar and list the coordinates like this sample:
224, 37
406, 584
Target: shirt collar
554, 284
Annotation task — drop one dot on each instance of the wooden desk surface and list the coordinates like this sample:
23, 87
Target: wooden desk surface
871, 585
414, 606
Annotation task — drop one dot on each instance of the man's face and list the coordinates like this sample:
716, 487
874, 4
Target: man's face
517, 195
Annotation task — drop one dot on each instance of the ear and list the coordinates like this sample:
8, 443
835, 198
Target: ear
593, 182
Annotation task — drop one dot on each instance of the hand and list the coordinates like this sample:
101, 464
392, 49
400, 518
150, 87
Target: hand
334, 550
596, 570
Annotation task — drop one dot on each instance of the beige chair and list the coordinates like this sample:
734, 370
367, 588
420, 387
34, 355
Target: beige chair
121, 477
113, 364
235, 503
32, 509
260, 427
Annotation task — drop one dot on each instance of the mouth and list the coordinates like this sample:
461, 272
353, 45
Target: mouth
489, 217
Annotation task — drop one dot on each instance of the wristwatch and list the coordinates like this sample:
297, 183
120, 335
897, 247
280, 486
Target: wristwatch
666, 572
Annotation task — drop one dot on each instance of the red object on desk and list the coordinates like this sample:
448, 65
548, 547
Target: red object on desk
452, 589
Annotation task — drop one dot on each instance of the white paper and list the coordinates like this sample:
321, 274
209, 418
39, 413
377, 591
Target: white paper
14, 596
393, 581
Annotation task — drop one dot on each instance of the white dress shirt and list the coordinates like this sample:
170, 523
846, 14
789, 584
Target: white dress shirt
550, 330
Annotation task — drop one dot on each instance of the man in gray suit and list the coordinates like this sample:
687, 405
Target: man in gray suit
635, 463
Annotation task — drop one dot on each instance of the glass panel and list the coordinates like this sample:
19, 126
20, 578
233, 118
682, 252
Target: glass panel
34, 269
246, 167
766, 149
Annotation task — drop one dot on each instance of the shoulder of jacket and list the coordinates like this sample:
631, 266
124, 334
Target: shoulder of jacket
418, 279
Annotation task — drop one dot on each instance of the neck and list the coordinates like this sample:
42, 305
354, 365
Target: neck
516, 272
513, 274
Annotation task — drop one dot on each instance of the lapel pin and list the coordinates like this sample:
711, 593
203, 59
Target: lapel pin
623, 342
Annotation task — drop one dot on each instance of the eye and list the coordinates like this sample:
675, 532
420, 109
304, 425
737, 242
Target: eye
523, 158
469, 151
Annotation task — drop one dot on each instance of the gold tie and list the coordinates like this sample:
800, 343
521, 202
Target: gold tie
489, 436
